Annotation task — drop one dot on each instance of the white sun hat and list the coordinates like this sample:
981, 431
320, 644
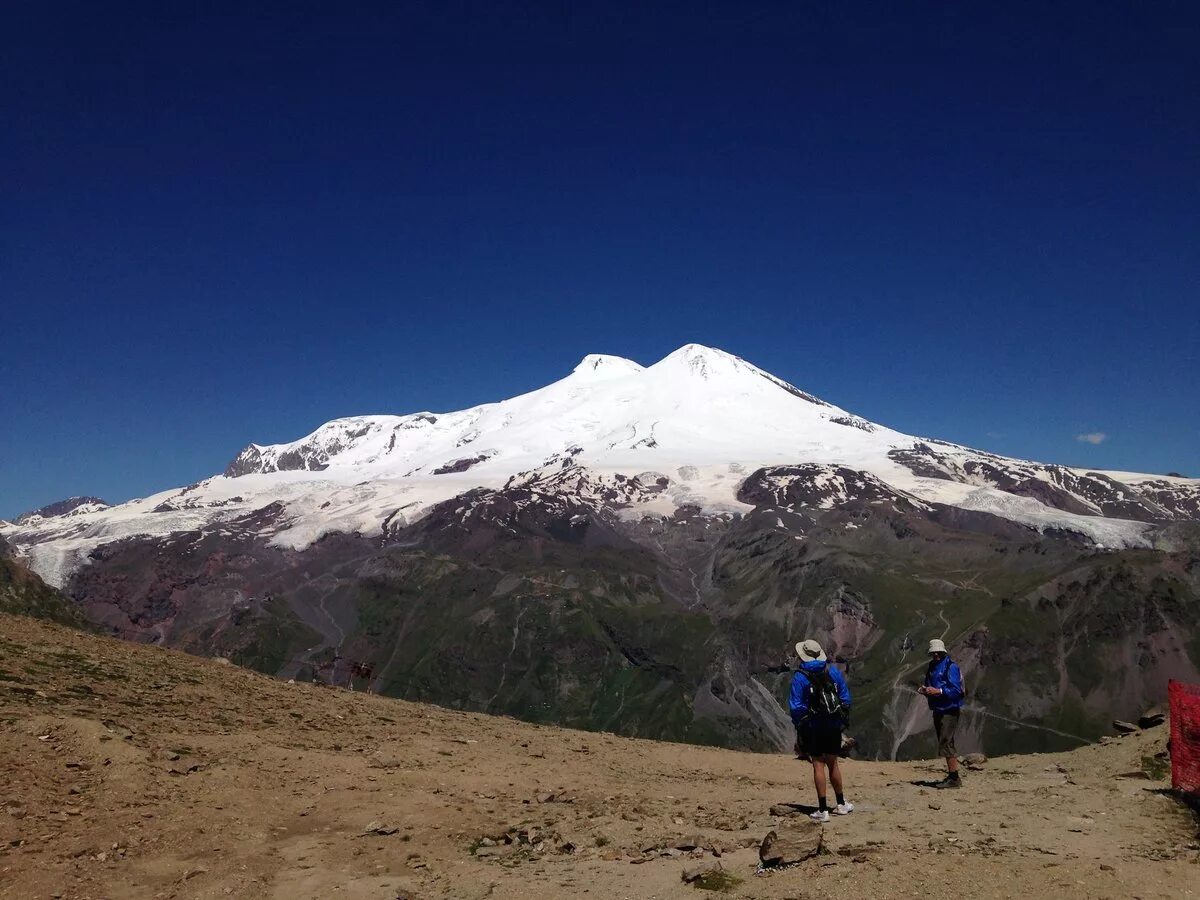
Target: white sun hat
937, 646
810, 650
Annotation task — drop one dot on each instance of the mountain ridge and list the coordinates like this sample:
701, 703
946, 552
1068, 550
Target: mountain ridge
699, 417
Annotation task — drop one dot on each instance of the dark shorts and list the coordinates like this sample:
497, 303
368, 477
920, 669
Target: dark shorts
944, 725
820, 738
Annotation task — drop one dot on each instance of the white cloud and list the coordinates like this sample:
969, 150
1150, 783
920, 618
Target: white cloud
1092, 437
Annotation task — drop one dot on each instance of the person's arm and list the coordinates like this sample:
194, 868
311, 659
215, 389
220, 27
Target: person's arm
952, 688
798, 702
842, 686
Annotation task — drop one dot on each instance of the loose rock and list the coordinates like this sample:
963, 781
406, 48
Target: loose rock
787, 846
695, 873
691, 842
1152, 718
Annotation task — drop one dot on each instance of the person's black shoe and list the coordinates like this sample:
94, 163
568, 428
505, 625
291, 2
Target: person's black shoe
950, 781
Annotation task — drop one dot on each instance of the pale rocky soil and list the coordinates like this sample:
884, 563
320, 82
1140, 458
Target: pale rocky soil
130, 771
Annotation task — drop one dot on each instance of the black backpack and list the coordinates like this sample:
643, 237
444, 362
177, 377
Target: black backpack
824, 702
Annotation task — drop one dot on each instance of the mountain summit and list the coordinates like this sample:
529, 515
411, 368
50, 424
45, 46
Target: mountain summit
635, 548
700, 418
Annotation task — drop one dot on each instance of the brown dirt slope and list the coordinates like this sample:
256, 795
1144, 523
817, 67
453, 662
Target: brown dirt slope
131, 771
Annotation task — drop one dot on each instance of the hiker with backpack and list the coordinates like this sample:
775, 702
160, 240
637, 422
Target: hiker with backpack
820, 707
943, 689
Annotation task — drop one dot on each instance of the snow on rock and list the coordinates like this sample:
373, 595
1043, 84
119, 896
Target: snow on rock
685, 431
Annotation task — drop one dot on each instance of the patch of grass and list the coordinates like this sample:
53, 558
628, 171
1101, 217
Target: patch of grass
722, 881
603, 840
1156, 768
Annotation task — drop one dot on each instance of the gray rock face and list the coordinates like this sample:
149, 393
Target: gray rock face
1059, 487
59, 508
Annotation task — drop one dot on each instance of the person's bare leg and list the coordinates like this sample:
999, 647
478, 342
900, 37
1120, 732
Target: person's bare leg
835, 774
951, 765
819, 778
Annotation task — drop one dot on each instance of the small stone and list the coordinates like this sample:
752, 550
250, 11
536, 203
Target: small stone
691, 842
695, 873
935, 806
1122, 727
1105, 867
380, 828
1152, 718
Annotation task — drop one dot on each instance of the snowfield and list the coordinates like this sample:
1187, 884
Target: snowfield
700, 418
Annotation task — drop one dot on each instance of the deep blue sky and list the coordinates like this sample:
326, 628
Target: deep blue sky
219, 227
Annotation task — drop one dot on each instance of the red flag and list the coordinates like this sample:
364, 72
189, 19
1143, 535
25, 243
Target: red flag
1185, 737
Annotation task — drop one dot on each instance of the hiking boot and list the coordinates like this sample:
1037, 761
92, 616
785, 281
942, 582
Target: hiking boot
820, 816
843, 809
950, 781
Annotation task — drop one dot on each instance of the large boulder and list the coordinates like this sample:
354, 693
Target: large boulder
786, 846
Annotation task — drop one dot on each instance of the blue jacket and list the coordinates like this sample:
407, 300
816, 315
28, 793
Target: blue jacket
945, 674
802, 688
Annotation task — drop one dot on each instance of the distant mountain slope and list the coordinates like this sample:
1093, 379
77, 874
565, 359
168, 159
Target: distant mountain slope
24, 593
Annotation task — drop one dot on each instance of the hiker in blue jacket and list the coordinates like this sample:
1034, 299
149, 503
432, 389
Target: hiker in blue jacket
943, 689
820, 707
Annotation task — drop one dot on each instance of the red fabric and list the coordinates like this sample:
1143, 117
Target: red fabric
1185, 736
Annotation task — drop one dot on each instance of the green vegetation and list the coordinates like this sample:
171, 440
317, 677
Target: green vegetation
1158, 769
721, 881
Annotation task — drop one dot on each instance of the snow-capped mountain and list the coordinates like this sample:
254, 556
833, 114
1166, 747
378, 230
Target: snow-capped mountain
692, 426
636, 548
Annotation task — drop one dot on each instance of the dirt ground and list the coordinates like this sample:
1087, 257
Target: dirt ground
130, 771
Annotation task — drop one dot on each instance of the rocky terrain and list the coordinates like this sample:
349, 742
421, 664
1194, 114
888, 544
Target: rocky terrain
637, 549
136, 772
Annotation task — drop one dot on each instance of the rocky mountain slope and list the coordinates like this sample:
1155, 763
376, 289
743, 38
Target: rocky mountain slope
636, 549
138, 772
